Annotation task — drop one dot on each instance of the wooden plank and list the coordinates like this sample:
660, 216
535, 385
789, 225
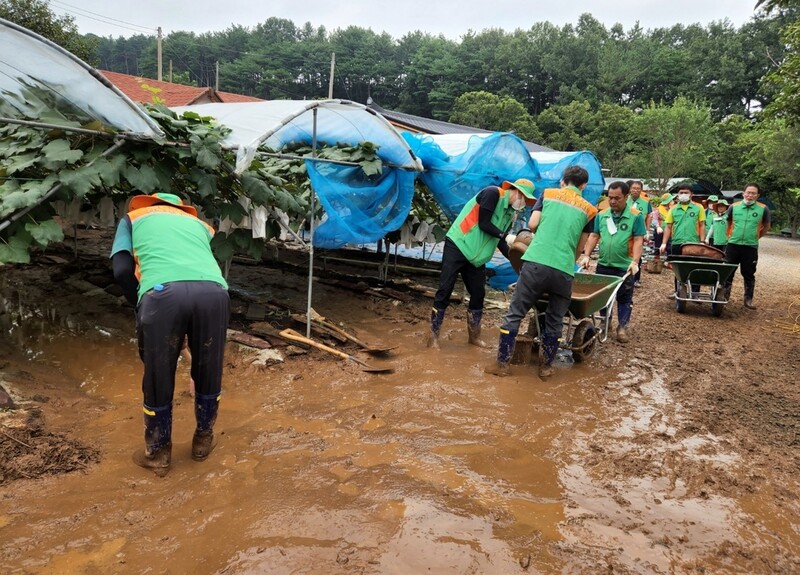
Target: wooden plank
248, 340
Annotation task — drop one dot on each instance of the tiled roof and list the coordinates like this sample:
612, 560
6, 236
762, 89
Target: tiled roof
172, 94
231, 97
414, 123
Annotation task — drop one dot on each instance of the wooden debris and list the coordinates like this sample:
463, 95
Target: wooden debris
248, 340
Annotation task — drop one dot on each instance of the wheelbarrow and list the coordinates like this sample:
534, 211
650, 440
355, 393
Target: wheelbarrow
693, 274
584, 327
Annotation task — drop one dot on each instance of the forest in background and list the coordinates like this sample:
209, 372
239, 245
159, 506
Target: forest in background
697, 101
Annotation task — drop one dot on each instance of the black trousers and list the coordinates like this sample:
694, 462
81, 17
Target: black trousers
199, 310
746, 257
453, 264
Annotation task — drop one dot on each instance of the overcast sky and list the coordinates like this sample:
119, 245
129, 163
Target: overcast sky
452, 18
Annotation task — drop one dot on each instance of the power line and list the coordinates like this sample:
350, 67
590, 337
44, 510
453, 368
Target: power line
83, 13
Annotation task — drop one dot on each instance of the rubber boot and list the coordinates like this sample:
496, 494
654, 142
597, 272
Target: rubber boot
205, 413
474, 317
437, 317
549, 350
157, 454
505, 348
749, 290
624, 316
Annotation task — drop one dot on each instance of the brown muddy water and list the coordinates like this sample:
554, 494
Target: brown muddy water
322, 468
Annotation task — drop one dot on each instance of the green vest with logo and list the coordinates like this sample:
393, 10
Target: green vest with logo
476, 245
640, 204
564, 215
746, 225
685, 221
719, 230
616, 250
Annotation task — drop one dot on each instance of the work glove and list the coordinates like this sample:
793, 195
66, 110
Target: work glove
583, 261
663, 248
633, 269
660, 230
510, 239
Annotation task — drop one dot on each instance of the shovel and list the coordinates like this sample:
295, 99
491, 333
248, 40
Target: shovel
370, 349
292, 335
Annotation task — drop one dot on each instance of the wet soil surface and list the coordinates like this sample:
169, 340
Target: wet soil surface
674, 453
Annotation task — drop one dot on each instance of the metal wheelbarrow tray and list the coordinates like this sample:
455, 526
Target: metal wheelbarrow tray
698, 271
590, 294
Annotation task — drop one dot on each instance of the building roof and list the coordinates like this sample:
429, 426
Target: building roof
144, 90
419, 124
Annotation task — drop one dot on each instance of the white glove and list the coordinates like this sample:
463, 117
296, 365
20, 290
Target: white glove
633, 269
660, 230
583, 261
510, 239
663, 248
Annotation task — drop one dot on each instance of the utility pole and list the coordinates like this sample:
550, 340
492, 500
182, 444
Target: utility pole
170, 70
158, 49
330, 82
216, 82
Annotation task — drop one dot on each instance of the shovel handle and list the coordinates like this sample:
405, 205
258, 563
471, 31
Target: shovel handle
294, 336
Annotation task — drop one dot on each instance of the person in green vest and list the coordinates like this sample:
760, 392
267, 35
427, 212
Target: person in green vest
620, 230
561, 221
481, 227
162, 260
642, 204
685, 224
717, 234
748, 221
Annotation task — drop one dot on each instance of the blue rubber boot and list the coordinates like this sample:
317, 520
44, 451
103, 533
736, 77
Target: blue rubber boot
549, 350
437, 317
474, 317
624, 311
505, 348
205, 413
157, 453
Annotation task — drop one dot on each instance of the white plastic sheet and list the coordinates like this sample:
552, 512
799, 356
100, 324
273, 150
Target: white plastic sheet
38, 76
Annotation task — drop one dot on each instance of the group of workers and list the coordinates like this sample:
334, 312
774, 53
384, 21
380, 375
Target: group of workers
162, 259
566, 229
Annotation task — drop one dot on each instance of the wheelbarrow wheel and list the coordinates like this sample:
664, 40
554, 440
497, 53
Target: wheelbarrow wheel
680, 306
584, 331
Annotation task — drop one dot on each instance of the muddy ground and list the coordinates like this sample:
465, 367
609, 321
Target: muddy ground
675, 453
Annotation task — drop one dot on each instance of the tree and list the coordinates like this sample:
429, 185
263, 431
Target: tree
490, 112
672, 141
35, 15
774, 160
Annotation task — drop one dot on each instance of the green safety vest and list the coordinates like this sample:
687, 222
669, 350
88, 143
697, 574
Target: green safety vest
476, 245
564, 215
170, 245
616, 250
719, 230
685, 222
746, 223
641, 204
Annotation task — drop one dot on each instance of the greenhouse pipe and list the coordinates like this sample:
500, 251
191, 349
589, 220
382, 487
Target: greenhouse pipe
311, 231
14, 217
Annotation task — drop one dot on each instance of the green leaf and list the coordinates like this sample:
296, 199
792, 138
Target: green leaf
233, 211
144, 179
110, 170
60, 151
15, 251
82, 180
208, 153
222, 246
45, 232
206, 183
373, 167
19, 163
259, 192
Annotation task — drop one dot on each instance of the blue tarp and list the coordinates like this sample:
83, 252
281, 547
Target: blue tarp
359, 209
458, 166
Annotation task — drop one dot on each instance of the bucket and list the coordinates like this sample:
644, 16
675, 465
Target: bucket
517, 249
654, 266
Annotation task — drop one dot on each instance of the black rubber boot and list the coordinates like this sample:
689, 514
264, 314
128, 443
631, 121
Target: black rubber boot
749, 290
205, 413
157, 454
437, 317
474, 317
505, 348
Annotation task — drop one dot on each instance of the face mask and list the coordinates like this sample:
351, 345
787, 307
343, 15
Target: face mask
683, 198
518, 204
749, 202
